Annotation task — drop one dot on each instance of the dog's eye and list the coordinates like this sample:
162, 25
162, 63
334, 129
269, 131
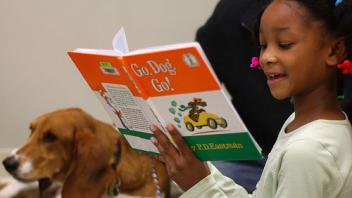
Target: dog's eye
49, 137
31, 129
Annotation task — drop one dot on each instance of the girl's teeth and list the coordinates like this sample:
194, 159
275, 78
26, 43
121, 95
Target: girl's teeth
274, 76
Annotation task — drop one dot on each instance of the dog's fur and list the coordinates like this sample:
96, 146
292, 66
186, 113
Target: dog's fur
86, 156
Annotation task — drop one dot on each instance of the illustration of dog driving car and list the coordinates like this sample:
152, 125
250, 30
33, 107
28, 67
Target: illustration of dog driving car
198, 117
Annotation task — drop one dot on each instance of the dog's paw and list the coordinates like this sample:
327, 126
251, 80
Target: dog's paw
12, 188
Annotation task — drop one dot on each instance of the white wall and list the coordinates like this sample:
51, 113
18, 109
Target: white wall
36, 75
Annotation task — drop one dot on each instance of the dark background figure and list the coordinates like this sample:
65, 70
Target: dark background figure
228, 41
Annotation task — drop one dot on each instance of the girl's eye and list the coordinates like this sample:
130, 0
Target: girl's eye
262, 46
285, 45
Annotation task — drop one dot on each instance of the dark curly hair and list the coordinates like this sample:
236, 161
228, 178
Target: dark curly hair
336, 19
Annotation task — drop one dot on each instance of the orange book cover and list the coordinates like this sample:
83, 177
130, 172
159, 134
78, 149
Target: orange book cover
166, 84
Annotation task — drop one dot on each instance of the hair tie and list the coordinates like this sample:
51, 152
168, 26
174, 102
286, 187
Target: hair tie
255, 63
346, 67
337, 2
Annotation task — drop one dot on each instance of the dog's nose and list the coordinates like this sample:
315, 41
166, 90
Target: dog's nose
10, 164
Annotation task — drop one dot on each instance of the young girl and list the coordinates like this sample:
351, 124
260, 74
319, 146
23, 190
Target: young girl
302, 42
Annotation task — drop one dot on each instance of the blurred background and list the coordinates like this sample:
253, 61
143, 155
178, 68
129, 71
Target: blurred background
37, 76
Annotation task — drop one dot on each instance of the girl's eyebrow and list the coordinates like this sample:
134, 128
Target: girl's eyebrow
278, 29
281, 29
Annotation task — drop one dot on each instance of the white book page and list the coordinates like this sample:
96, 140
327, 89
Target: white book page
163, 48
141, 143
119, 43
99, 51
120, 47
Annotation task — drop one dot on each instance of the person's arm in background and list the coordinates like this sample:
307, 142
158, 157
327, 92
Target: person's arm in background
227, 38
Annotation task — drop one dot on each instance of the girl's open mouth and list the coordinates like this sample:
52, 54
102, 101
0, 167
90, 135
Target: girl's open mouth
274, 78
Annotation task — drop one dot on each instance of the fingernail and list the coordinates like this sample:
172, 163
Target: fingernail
153, 140
152, 127
170, 127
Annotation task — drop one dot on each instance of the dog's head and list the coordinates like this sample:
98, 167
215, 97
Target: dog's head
60, 142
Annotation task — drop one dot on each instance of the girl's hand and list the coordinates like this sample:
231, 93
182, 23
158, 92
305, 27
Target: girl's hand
182, 165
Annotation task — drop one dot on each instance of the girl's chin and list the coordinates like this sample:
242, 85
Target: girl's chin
279, 95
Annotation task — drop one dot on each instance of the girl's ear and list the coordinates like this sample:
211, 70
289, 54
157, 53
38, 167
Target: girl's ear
337, 52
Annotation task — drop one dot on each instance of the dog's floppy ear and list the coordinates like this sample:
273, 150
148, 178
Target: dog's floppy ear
90, 170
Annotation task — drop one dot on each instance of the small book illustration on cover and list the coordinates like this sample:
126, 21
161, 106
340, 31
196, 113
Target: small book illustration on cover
166, 84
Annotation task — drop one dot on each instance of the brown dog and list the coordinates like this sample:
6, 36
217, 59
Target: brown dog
87, 156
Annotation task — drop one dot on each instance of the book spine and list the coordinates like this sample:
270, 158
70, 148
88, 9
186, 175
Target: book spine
159, 118
141, 91
135, 83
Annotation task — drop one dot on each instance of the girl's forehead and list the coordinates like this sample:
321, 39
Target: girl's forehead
284, 14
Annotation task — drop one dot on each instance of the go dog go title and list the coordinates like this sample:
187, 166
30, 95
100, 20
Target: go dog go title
153, 68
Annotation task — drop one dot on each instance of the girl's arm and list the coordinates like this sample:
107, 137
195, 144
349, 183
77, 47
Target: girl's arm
197, 178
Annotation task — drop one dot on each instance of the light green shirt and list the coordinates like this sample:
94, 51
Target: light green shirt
313, 161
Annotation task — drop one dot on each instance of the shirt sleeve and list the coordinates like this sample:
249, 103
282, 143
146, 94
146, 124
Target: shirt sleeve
306, 171
216, 185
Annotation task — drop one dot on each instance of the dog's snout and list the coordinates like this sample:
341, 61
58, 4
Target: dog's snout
10, 164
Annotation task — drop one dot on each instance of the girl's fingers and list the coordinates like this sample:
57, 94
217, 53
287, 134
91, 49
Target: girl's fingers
160, 158
165, 156
163, 144
180, 142
155, 141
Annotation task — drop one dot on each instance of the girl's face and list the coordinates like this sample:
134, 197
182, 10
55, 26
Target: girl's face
293, 50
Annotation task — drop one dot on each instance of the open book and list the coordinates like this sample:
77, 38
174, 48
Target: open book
167, 84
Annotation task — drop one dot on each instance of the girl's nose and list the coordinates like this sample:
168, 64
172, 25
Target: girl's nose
268, 57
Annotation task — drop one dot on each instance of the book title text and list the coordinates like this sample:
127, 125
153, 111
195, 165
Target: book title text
161, 83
